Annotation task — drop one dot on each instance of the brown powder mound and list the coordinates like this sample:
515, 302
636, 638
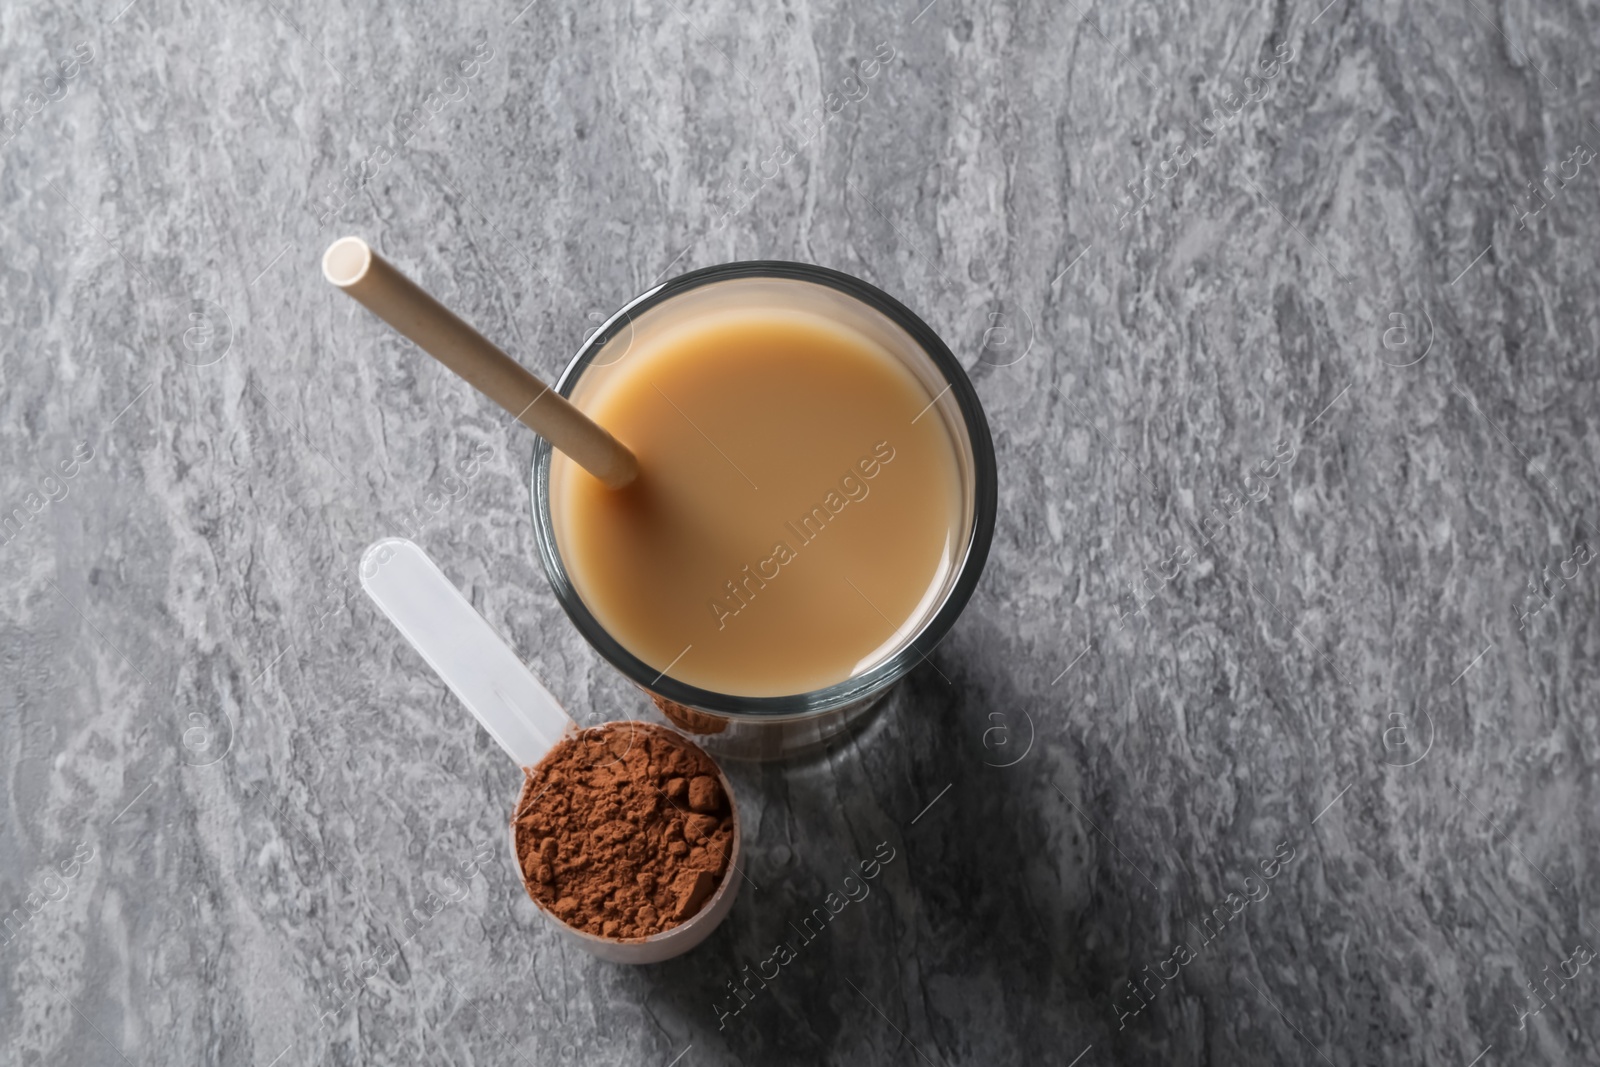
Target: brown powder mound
623, 830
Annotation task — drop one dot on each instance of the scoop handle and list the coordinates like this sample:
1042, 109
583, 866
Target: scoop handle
463, 649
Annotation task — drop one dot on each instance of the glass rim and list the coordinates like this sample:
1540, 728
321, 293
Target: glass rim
969, 569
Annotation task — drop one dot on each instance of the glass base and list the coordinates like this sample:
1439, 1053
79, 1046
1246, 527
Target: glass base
763, 740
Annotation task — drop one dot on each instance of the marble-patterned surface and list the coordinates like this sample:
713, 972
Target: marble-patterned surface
1292, 375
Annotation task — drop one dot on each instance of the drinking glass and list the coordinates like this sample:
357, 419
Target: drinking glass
774, 727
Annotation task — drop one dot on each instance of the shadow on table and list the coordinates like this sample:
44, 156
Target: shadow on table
993, 929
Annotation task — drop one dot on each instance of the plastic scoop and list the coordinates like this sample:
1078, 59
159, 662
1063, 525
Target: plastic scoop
522, 716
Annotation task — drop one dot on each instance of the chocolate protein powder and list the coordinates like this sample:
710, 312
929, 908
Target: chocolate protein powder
623, 830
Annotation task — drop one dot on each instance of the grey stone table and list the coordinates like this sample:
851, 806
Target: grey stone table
1268, 737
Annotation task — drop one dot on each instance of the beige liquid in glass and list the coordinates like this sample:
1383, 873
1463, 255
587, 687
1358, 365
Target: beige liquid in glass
796, 512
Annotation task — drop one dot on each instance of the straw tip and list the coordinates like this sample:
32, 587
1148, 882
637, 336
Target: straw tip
346, 261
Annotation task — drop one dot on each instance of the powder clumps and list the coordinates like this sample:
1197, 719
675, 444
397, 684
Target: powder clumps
623, 830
